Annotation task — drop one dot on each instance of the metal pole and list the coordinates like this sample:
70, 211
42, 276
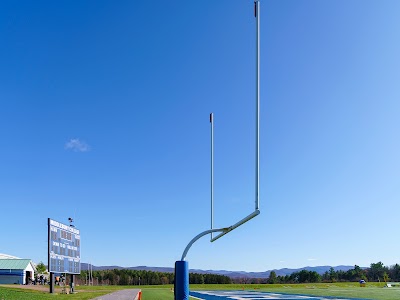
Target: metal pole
72, 284
212, 173
51, 282
236, 225
257, 15
90, 274
199, 236
49, 258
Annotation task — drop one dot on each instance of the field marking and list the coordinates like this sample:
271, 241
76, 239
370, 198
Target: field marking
250, 295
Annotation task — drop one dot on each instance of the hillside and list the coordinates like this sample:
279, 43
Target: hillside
232, 274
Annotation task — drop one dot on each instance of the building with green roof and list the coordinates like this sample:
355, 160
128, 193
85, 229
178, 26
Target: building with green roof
16, 271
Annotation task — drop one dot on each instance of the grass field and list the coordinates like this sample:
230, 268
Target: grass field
351, 290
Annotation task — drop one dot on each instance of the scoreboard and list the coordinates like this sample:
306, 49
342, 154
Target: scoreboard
64, 252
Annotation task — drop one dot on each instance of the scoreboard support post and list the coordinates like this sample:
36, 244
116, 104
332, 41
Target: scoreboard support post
72, 284
51, 282
48, 258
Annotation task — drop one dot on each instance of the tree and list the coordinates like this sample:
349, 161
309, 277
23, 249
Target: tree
272, 277
332, 274
304, 276
376, 271
394, 272
40, 268
164, 280
358, 273
124, 279
385, 277
314, 276
325, 276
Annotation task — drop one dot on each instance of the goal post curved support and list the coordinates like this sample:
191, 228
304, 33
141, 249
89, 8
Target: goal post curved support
199, 236
181, 284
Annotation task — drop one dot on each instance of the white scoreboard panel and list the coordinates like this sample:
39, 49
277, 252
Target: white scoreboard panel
64, 248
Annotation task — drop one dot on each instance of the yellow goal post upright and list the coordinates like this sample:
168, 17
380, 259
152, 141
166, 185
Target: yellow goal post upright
181, 284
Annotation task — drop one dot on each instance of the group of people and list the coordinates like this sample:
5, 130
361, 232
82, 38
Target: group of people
42, 280
60, 280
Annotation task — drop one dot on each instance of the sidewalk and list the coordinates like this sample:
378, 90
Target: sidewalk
132, 294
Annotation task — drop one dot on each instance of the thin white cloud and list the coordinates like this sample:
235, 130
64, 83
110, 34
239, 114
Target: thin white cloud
311, 259
77, 145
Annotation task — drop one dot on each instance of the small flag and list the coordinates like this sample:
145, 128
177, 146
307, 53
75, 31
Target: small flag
255, 9
211, 117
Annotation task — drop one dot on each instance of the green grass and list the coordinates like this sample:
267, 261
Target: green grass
83, 293
157, 294
15, 293
347, 289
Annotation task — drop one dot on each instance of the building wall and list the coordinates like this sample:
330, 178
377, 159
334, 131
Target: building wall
12, 276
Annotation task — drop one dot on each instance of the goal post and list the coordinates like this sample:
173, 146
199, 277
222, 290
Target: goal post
181, 284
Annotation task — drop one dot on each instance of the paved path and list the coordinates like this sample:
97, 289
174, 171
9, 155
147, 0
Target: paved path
131, 294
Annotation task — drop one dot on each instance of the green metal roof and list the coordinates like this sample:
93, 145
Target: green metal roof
14, 264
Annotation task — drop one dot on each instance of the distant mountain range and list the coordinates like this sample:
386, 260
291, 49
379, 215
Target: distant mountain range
232, 274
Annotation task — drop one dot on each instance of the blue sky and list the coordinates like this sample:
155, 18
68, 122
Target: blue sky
104, 111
